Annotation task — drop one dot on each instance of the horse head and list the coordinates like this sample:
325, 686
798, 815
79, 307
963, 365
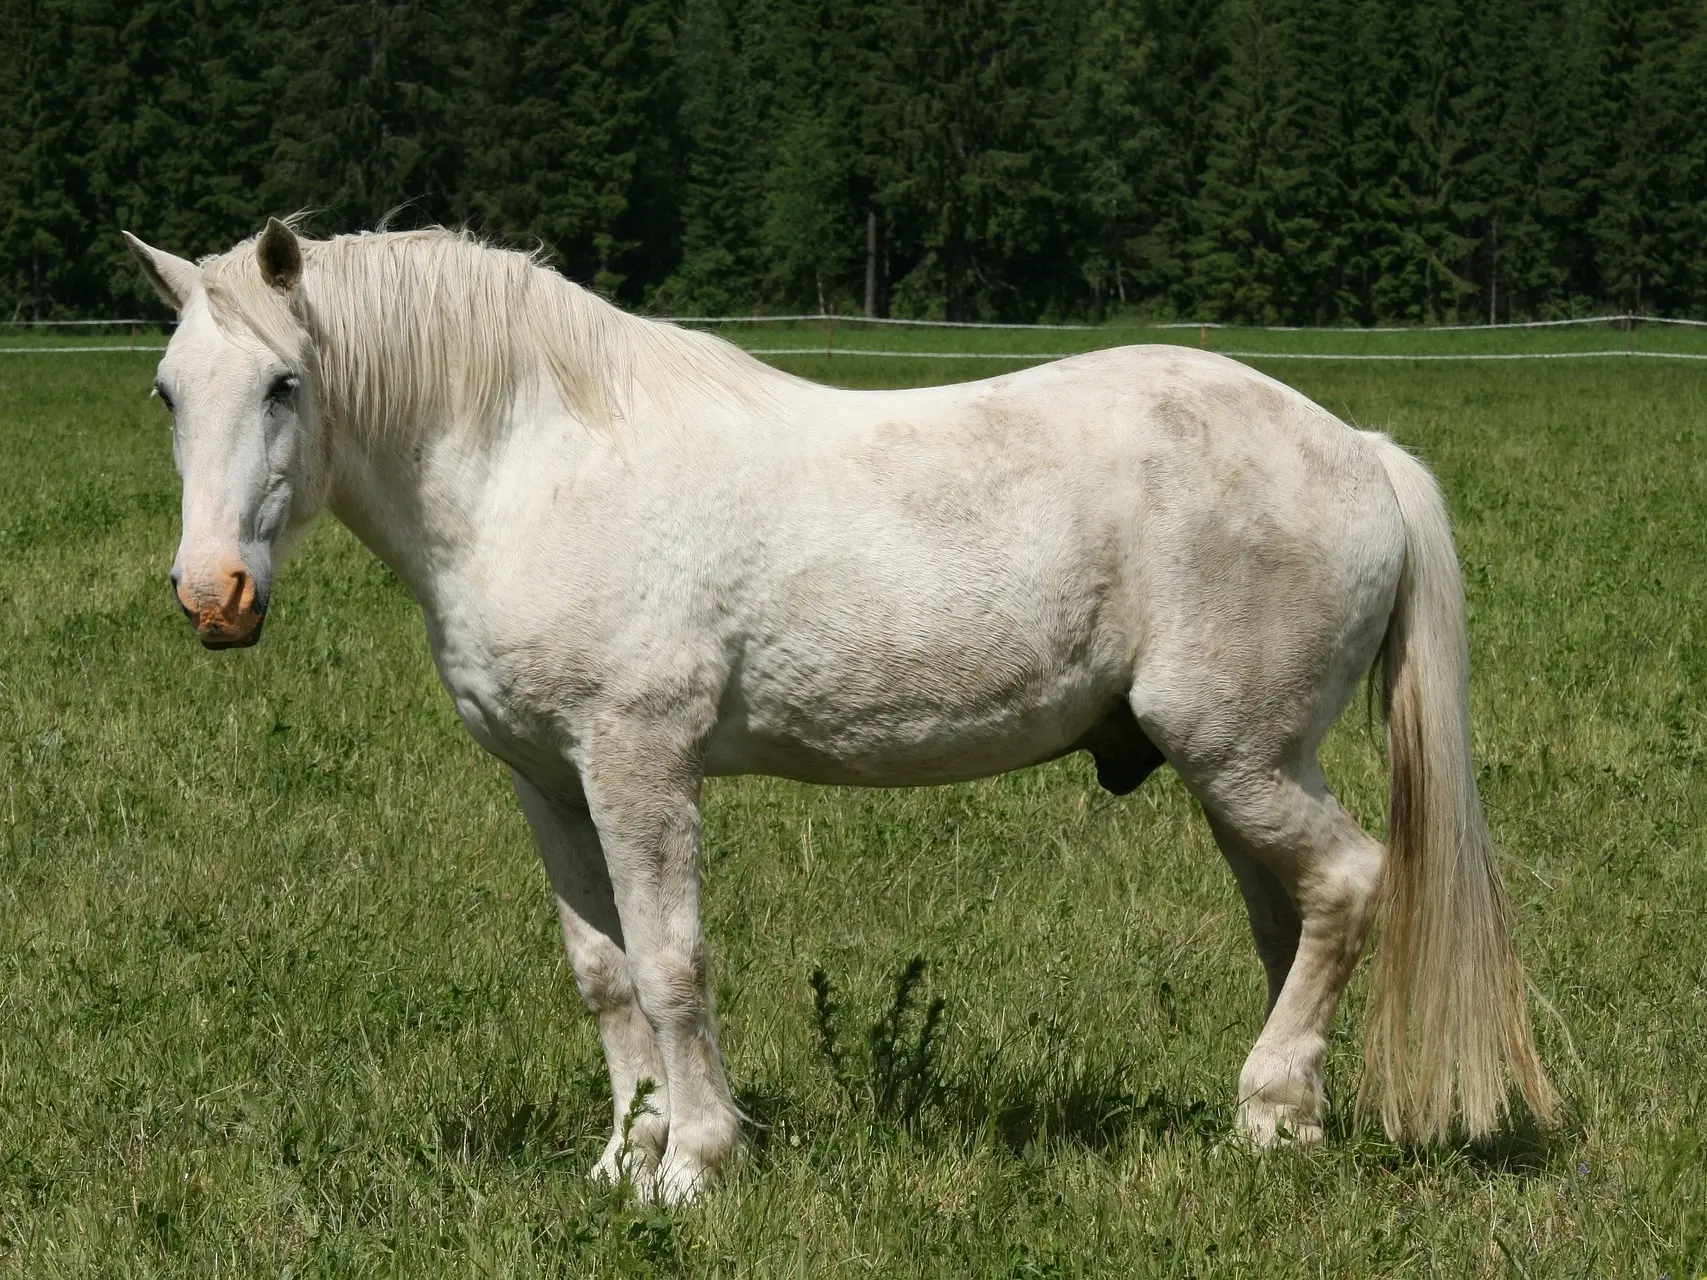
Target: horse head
245, 434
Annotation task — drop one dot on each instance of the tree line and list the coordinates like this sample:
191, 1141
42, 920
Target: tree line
1304, 162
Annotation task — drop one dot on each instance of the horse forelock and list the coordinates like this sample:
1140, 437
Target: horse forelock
436, 330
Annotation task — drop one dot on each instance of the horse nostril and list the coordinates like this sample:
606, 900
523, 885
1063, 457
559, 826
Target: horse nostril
241, 594
177, 598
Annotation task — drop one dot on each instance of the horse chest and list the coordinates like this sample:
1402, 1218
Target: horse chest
483, 689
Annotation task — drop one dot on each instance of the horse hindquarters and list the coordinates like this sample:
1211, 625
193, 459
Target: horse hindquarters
1274, 620
1449, 1024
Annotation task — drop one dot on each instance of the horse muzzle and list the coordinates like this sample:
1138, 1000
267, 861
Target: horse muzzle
227, 609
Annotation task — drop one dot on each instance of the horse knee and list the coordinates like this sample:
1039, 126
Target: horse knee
601, 973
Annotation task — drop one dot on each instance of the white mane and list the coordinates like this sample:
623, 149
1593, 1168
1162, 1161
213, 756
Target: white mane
404, 329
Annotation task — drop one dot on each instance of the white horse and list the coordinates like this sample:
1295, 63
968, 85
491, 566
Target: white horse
646, 558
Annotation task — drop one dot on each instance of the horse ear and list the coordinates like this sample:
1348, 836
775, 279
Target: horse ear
280, 256
173, 278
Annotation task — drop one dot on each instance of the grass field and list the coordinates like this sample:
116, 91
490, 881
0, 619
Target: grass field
281, 989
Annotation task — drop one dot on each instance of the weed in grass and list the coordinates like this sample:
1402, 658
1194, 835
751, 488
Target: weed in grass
898, 1078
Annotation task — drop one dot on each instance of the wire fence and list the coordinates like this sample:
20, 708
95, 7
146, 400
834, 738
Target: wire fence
133, 323
1039, 356
830, 317
148, 336
1622, 317
834, 318
61, 351
67, 324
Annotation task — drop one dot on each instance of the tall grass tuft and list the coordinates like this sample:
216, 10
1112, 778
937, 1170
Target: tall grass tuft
898, 1077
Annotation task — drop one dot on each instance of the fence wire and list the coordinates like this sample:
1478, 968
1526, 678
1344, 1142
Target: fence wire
1013, 356
1626, 322
826, 317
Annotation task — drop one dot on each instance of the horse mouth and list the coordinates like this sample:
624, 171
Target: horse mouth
233, 642
221, 638
234, 622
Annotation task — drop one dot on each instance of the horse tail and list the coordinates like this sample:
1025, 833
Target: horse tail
1449, 1023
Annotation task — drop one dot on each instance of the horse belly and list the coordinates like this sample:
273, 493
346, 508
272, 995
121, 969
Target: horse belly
881, 708
932, 618
916, 748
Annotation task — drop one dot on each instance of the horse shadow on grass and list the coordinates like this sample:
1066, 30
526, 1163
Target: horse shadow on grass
1028, 1108
1062, 1097
1519, 1149
510, 1129
898, 1078
1025, 1107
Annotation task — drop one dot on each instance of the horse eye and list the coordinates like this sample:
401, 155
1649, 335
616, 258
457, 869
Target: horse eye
281, 388
165, 399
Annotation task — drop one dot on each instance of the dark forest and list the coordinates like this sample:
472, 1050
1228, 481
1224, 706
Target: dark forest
1313, 162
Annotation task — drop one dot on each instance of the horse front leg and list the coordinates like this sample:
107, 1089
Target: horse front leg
593, 940
645, 800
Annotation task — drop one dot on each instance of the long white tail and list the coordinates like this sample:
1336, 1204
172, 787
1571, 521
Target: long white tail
1449, 1024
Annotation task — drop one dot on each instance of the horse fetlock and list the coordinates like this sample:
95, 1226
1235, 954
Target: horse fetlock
692, 1162
679, 1180
710, 1140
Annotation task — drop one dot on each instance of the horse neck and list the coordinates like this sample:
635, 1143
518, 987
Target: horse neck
415, 495
414, 498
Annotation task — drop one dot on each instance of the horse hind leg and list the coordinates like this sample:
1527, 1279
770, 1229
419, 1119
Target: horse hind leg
1275, 926
1238, 689
1285, 832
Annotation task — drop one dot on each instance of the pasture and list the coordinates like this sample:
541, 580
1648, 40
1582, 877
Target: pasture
281, 987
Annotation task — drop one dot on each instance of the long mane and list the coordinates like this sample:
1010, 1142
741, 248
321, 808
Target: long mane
400, 330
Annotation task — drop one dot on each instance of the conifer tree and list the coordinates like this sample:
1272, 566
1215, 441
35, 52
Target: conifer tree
364, 127
558, 109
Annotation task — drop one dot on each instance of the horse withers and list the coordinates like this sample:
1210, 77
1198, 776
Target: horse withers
646, 558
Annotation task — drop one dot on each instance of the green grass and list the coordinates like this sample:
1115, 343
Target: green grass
281, 988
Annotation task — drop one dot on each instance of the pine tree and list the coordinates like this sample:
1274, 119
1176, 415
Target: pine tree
43, 229
556, 113
1307, 161
1258, 237
364, 122
1648, 184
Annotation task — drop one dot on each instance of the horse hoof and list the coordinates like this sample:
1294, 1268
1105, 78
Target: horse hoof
1267, 1125
621, 1161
